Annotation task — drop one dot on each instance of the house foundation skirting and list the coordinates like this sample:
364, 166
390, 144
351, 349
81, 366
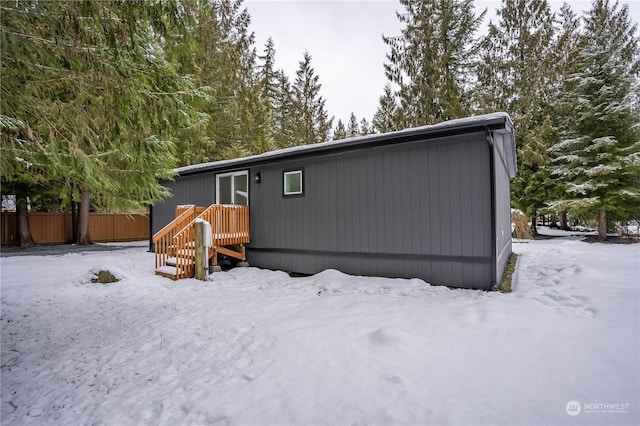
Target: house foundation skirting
453, 271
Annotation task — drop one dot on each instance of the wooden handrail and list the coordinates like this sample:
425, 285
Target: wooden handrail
225, 219
179, 221
182, 208
163, 246
229, 225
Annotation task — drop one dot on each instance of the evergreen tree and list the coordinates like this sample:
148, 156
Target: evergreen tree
269, 78
516, 74
598, 160
431, 59
565, 63
385, 118
253, 119
210, 57
89, 83
222, 58
565, 60
283, 113
268, 81
243, 124
340, 132
352, 127
310, 118
365, 127
23, 166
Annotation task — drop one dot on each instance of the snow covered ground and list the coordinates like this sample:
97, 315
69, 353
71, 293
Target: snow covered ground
258, 347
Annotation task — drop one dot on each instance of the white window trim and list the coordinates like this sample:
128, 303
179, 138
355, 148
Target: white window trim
284, 182
233, 189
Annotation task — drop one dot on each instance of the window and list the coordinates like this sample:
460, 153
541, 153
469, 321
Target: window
233, 188
293, 182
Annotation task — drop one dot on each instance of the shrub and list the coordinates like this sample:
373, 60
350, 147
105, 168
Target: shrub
522, 229
105, 277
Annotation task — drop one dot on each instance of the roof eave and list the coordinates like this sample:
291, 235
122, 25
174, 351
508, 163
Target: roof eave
497, 121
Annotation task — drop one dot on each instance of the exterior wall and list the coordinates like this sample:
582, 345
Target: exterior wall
419, 209
195, 189
414, 209
503, 205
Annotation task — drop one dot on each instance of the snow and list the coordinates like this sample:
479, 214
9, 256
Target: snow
555, 232
602, 170
627, 229
253, 346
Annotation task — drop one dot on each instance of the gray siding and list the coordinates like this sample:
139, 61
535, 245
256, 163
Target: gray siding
409, 210
436, 209
503, 204
194, 189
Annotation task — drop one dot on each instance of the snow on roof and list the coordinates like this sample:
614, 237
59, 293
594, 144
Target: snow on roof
477, 120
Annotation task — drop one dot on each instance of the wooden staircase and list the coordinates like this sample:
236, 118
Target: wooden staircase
174, 245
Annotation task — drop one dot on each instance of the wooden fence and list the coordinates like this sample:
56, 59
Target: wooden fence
55, 228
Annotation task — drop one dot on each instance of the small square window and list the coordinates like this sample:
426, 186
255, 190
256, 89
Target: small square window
293, 182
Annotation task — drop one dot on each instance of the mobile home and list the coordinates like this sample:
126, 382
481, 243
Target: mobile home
430, 202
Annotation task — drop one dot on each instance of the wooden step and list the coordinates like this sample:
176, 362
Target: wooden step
168, 272
172, 261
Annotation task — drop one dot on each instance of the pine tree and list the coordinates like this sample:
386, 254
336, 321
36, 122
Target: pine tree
564, 58
340, 132
515, 59
268, 82
431, 59
210, 57
598, 160
283, 113
243, 125
352, 126
269, 78
101, 109
516, 74
311, 120
385, 118
22, 164
222, 58
365, 127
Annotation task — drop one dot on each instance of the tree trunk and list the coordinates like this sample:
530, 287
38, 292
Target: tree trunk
23, 230
554, 221
534, 225
83, 218
602, 225
563, 221
74, 221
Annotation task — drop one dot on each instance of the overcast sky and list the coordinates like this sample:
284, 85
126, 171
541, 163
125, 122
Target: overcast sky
344, 39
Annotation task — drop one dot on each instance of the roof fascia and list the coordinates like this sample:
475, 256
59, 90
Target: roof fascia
500, 123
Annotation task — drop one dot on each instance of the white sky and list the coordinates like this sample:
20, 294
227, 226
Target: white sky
344, 39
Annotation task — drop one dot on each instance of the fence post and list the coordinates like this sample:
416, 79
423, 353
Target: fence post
199, 249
